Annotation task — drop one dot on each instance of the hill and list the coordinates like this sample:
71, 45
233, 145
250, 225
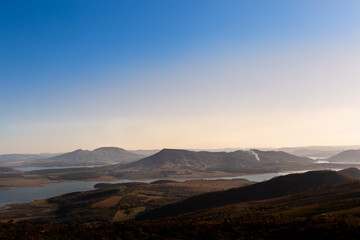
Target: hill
325, 206
349, 156
276, 187
145, 153
19, 159
352, 172
326, 213
313, 153
316, 151
233, 162
99, 156
114, 202
168, 163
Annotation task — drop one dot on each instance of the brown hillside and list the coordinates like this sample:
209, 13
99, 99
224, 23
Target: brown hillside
276, 187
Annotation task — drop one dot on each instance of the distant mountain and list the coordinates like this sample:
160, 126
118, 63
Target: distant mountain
238, 161
349, 156
19, 159
280, 157
145, 153
276, 187
316, 151
100, 156
313, 153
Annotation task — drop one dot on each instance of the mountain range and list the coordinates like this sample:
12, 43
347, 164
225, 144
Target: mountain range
99, 156
18, 159
317, 151
175, 162
348, 156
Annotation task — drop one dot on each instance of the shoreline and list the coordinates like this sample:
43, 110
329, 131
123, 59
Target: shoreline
9, 184
22, 183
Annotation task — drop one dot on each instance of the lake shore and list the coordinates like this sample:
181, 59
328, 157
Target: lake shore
38, 180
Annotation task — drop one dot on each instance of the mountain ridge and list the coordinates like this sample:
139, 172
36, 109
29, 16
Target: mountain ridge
351, 156
273, 188
80, 157
215, 161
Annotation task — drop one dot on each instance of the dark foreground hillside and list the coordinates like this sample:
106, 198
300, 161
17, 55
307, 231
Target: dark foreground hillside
276, 187
241, 228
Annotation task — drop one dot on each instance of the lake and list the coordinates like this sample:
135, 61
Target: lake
28, 194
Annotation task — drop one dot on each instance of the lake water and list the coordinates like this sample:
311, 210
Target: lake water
28, 194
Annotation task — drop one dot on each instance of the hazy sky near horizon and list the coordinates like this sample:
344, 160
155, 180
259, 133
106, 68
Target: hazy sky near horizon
178, 74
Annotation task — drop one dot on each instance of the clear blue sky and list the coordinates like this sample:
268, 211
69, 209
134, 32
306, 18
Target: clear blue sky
183, 74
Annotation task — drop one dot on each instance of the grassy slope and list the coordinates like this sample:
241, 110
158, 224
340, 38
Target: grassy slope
276, 187
114, 201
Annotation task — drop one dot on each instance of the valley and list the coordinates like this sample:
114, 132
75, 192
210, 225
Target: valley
315, 203
164, 164
186, 192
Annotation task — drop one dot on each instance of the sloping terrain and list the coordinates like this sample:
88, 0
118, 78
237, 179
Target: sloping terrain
328, 201
235, 162
257, 227
349, 156
145, 153
276, 187
312, 205
100, 156
317, 151
168, 163
14, 160
352, 172
114, 202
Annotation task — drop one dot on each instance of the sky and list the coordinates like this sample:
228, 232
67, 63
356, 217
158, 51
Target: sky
178, 74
